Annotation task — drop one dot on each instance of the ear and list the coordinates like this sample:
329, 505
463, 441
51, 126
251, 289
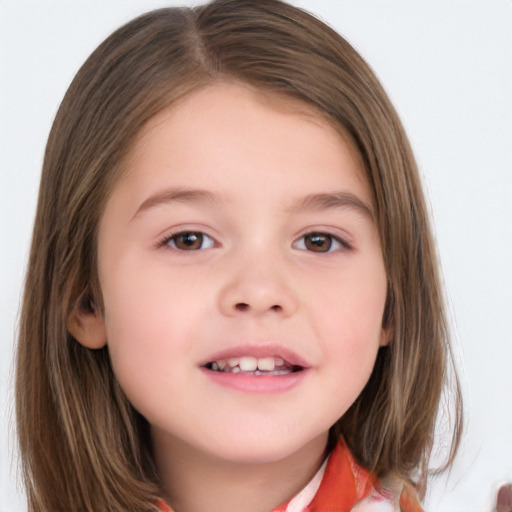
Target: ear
385, 336
86, 325
387, 331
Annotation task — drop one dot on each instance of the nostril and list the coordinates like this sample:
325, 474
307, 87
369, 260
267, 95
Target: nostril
243, 306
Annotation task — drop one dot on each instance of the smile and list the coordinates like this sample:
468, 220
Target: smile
250, 365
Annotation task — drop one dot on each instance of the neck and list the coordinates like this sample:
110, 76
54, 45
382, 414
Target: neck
193, 481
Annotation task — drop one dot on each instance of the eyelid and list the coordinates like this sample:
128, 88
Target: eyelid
163, 241
344, 241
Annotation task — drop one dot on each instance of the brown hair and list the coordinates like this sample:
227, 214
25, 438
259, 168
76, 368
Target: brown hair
83, 446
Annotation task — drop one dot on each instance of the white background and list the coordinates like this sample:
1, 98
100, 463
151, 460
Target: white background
447, 65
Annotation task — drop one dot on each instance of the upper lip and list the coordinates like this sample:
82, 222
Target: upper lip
258, 350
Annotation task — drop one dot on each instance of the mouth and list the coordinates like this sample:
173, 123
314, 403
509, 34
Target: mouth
249, 365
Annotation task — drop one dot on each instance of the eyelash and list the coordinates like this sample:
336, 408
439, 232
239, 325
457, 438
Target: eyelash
335, 243
170, 241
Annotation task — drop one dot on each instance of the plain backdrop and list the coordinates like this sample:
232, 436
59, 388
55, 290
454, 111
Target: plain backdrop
447, 66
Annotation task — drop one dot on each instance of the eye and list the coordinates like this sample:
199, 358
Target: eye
320, 242
189, 241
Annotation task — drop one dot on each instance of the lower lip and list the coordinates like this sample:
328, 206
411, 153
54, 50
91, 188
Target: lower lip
256, 383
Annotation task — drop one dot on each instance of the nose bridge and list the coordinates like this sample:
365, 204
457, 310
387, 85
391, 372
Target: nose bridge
259, 282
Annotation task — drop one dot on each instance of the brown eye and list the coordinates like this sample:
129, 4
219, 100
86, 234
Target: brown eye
190, 241
318, 242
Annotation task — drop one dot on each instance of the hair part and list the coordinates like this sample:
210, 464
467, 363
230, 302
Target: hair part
83, 446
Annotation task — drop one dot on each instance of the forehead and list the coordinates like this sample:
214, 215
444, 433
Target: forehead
274, 100
232, 131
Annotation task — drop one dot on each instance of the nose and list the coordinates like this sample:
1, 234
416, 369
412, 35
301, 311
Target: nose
258, 287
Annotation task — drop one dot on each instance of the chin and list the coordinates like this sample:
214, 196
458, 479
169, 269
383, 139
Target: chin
266, 447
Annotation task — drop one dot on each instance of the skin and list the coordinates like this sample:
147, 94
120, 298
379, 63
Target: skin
256, 283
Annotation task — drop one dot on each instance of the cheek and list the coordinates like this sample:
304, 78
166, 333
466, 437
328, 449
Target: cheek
353, 305
143, 332
144, 345
349, 322
351, 337
152, 313
142, 300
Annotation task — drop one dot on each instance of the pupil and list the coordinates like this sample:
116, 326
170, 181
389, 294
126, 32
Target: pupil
318, 242
190, 240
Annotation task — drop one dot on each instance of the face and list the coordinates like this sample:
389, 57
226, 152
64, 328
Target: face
242, 276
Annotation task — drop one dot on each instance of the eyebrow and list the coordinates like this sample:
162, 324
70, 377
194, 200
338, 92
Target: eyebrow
334, 200
177, 195
311, 202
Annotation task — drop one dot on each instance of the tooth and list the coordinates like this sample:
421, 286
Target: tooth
266, 364
248, 364
215, 367
233, 361
221, 364
235, 369
279, 361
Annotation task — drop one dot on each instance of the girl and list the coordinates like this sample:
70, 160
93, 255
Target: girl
232, 301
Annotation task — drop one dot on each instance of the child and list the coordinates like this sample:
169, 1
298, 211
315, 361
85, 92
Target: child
232, 301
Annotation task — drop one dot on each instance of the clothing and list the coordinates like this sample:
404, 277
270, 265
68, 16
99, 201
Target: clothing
341, 485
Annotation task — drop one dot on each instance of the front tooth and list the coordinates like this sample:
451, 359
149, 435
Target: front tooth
248, 364
266, 364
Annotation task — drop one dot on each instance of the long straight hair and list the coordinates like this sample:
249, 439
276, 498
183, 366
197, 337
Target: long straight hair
83, 446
